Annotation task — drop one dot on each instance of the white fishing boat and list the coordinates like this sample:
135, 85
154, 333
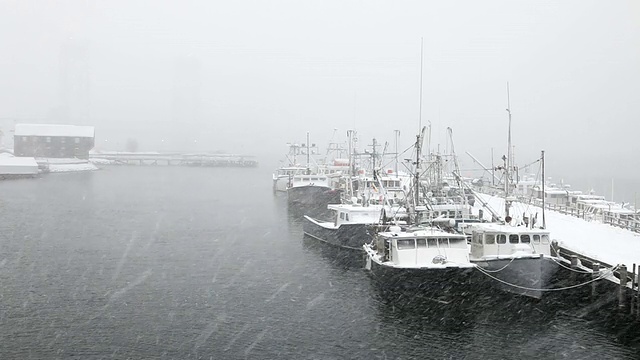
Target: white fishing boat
427, 259
354, 225
311, 190
283, 177
517, 259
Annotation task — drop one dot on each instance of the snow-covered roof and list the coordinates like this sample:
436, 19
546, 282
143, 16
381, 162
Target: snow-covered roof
18, 161
54, 130
507, 229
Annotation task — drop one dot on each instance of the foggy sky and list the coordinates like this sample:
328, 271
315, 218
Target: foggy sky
250, 76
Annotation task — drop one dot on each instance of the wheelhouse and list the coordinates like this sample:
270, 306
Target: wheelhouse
423, 248
503, 240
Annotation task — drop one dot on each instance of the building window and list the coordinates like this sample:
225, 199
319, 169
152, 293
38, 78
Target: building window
48, 139
77, 140
24, 138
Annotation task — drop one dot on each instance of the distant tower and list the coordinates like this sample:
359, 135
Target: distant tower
75, 95
185, 109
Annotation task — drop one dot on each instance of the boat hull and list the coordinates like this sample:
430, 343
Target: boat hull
280, 183
311, 200
442, 283
521, 276
348, 236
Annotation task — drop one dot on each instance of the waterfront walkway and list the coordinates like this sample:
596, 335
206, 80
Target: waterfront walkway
603, 242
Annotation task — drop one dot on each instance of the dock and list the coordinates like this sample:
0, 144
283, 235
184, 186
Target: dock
174, 159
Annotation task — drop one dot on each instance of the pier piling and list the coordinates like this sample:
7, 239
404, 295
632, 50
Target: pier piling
574, 266
633, 283
595, 274
623, 287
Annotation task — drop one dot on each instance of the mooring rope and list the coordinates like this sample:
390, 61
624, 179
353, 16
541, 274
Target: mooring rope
569, 268
502, 268
602, 276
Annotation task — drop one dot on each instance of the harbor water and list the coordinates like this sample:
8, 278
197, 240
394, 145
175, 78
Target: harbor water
206, 263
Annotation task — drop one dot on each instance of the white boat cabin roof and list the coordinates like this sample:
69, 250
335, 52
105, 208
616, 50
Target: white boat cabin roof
506, 229
422, 232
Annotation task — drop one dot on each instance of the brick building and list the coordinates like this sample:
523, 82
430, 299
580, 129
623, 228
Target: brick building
53, 141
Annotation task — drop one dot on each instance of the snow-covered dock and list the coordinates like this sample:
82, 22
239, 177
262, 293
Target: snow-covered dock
178, 159
11, 167
602, 242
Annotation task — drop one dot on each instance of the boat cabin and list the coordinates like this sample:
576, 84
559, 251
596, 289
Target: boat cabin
309, 180
290, 171
355, 214
497, 241
428, 247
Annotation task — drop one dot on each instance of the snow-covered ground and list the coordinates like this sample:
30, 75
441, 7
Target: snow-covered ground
604, 242
99, 161
57, 165
86, 166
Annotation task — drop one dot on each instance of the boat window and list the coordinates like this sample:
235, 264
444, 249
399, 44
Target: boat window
443, 242
489, 239
502, 239
536, 239
342, 216
422, 243
545, 239
346, 217
525, 238
476, 238
513, 239
406, 244
432, 243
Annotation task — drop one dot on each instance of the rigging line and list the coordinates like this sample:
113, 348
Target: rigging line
604, 275
527, 165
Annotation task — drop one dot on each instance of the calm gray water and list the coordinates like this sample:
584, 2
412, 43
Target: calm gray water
205, 263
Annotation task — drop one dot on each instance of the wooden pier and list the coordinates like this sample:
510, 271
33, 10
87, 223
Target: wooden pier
175, 159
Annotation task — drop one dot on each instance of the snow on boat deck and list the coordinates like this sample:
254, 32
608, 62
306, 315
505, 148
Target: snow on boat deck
599, 241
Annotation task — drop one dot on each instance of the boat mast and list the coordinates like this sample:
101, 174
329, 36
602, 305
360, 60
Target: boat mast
308, 155
418, 139
397, 133
507, 181
544, 222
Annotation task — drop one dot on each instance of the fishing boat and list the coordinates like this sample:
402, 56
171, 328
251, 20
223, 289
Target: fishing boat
517, 259
311, 190
353, 225
423, 258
